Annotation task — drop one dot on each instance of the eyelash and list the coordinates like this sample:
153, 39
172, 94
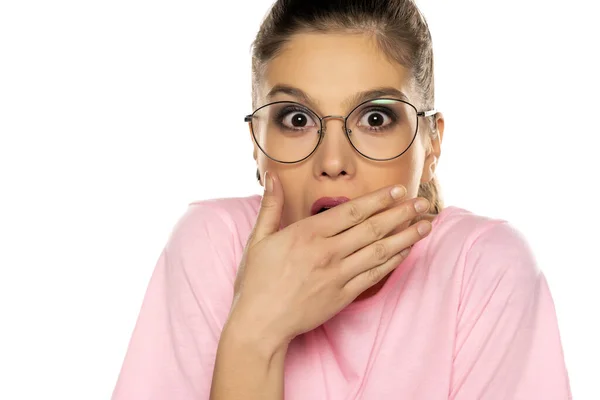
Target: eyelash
389, 113
288, 110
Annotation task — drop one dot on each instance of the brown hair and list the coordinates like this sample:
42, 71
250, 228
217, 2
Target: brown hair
398, 26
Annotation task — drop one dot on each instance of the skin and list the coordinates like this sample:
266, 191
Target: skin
336, 169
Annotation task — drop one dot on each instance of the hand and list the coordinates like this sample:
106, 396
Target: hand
291, 281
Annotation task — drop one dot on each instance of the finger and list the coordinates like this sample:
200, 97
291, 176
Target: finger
355, 211
271, 206
362, 267
378, 226
358, 285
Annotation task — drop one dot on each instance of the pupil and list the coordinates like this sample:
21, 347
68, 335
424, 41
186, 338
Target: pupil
375, 119
299, 120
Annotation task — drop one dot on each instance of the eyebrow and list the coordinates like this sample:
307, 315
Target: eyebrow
355, 99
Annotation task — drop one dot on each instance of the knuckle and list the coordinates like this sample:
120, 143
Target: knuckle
408, 210
354, 213
374, 275
325, 258
404, 253
380, 252
309, 236
383, 200
308, 233
374, 228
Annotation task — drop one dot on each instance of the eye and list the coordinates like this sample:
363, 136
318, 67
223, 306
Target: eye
296, 118
378, 118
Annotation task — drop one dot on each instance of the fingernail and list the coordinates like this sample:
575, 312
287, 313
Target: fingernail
398, 192
268, 182
421, 205
423, 228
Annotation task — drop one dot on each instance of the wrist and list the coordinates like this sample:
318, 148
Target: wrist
249, 338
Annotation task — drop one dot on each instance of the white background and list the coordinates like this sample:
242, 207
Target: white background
114, 115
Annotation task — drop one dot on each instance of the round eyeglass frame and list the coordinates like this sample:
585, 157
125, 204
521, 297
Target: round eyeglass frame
321, 131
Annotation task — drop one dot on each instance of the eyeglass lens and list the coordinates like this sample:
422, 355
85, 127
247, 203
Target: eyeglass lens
379, 129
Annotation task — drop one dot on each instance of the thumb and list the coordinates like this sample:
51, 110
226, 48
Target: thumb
271, 206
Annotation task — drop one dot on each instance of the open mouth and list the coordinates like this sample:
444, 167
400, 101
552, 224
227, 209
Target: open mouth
325, 203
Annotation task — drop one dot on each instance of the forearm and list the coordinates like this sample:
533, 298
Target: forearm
248, 368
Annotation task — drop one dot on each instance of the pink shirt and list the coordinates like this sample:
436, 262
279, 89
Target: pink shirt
468, 315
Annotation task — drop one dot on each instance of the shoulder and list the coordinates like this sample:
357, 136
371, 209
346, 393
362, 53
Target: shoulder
232, 213
488, 249
234, 206
215, 222
461, 227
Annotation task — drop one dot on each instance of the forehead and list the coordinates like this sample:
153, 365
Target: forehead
331, 67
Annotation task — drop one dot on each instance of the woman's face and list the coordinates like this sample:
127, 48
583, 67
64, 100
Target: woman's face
330, 69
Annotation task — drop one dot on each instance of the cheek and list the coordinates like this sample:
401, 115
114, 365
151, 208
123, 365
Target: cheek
405, 170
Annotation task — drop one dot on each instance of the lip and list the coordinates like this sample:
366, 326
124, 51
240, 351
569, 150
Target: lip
327, 202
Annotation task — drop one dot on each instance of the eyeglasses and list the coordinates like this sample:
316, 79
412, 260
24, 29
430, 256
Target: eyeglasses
379, 129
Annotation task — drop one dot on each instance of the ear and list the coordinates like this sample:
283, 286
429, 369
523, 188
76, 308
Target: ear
255, 154
433, 156
255, 151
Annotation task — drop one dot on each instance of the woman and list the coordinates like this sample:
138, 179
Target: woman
348, 279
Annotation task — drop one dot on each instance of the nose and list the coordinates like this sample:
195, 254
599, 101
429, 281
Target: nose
335, 155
